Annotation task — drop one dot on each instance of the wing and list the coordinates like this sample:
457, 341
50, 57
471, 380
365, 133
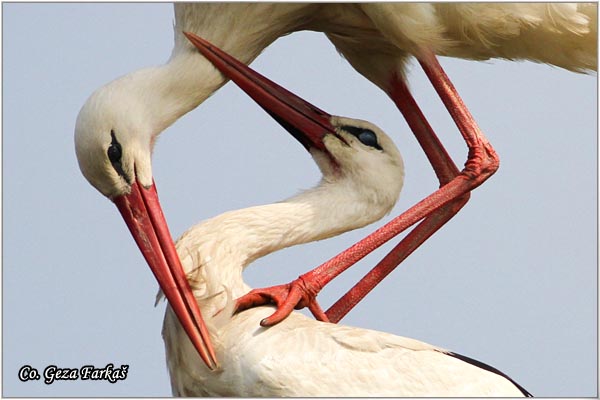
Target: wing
303, 357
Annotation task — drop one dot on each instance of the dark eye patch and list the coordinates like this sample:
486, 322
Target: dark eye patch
366, 136
114, 153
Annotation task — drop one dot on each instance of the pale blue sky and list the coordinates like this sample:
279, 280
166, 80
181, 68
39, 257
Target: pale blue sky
510, 281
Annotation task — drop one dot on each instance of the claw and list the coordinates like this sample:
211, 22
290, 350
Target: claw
318, 312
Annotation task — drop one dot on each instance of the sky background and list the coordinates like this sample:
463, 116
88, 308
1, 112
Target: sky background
510, 281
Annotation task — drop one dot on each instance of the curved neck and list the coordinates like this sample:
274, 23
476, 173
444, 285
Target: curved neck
223, 246
320, 213
174, 89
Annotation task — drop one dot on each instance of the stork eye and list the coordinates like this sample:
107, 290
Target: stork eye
366, 136
114, 153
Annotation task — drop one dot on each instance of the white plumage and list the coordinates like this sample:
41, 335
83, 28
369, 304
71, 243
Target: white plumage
303, 357
556, 33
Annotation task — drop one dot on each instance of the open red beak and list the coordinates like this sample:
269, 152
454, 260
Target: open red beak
143, 215
307, 123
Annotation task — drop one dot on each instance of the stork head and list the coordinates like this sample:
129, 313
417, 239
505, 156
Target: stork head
365, 158
113, 142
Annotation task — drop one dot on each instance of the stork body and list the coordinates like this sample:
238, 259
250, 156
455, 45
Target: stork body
304, 357
301, 356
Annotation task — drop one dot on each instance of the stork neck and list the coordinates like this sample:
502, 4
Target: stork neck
188, 78
174, 89
226, 244
323, 212
178, 87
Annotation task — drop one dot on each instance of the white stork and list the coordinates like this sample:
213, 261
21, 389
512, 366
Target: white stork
117, 126
362, 177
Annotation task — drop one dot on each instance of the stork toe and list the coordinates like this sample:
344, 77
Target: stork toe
297, 294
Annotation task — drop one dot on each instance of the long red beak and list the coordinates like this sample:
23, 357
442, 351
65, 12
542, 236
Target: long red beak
307, 123
142, 212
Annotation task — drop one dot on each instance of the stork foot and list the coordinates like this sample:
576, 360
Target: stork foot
297, 294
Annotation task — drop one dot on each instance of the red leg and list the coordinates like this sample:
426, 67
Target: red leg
481, 163
414, 239
442, 164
